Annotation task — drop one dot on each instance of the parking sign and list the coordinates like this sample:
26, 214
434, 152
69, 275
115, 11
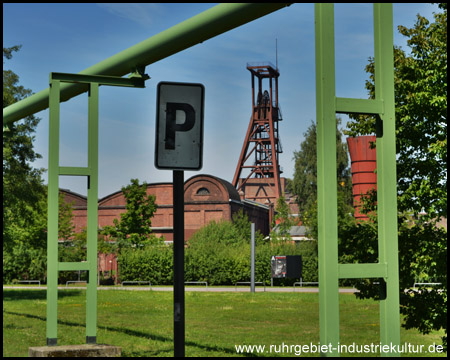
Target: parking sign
179, 126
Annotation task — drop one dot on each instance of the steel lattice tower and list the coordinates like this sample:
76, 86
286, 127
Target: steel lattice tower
261, 142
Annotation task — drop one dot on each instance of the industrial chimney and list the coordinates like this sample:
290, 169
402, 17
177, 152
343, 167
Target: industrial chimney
364, 162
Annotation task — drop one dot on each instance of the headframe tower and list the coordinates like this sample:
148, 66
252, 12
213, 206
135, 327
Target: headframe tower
261, 143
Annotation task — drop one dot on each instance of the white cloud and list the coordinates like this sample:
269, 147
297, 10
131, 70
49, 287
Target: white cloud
142, 14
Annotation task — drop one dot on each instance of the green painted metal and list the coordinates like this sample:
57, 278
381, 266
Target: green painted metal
361, 271
359, 106
386, 173
91, 172
210, 23
383, 106
71, 170
71, 266
92, 214
52, 217
326, 176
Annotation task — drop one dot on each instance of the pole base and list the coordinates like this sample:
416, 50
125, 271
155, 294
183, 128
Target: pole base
91, 340
75, 351
52, 341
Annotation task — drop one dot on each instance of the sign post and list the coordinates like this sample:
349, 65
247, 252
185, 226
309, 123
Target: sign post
179, 147
252, 260
178, 263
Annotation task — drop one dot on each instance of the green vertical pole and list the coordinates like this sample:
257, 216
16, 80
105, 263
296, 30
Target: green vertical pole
326, 176
386, 174
92, 216
52, 216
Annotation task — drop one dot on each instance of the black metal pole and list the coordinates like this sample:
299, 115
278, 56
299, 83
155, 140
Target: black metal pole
252, 259
178, 263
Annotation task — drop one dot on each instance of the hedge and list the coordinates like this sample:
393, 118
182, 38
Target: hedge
224, 266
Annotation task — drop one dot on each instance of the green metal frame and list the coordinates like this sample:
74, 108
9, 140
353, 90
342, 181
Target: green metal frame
91, 172
383, 106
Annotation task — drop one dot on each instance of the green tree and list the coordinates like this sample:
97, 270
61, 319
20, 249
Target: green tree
134, 227
65, 219
243, 226
304, 184
421, 117
24, 200
421, 125
22, 184
284, 218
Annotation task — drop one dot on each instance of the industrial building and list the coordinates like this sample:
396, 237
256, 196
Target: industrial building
207, 198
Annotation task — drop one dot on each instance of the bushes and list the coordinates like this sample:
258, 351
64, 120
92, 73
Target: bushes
24, 264
223, 267
219, 253
152, 263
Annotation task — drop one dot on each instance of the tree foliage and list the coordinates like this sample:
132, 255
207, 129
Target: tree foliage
22, 184
421, 126
283, 218
134, 227
421, 117
24, 195
304, 184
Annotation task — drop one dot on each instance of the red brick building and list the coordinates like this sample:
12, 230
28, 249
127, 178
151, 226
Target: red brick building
206, 198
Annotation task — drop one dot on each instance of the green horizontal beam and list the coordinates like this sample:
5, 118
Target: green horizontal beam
73, 266
74, 171
99, 79
359, 106
212, 22
362, 271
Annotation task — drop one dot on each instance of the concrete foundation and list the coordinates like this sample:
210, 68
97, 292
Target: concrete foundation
75, 351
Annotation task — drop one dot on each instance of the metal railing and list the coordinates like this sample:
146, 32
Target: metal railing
261, 63
197, 282
301, 283
426, 284
76, 281
248, 282
137, 282
30, 281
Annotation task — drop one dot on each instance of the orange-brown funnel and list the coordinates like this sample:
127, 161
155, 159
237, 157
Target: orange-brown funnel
364, 163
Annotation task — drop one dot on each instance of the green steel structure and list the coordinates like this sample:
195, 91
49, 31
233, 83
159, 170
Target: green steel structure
199, 28
383, 106
91, 84
208, 24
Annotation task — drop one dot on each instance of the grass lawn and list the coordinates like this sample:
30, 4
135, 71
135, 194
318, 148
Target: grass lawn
141, 322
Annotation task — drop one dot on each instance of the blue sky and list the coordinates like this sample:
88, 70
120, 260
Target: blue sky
72, 37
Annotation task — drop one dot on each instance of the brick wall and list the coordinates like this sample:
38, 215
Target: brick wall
206, 198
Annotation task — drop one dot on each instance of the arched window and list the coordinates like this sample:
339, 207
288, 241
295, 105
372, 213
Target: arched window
202, 191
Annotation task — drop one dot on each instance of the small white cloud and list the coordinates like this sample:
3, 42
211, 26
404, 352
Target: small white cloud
142, 14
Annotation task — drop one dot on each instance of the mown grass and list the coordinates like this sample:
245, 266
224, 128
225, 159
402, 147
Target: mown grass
141, 321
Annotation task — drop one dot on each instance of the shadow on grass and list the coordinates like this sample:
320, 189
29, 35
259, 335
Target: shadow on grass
13, 295
137, 333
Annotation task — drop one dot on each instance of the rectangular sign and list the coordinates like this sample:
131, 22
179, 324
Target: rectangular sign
179, 126
289, 266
